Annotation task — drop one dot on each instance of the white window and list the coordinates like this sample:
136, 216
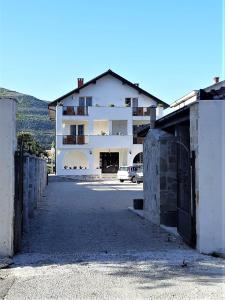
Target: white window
85, 101
131, 102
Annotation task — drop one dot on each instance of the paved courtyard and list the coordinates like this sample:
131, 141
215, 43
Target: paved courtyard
84, 243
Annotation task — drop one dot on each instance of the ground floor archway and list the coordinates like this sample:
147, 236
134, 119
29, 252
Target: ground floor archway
138, 159
75, 160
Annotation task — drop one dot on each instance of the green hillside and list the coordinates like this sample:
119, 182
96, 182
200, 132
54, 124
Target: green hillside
32, 116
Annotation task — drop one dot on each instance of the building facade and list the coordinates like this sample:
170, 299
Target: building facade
96, 125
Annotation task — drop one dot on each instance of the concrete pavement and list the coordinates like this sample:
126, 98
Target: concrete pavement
85, 244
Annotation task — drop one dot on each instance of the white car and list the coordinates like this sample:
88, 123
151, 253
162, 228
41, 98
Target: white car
139, 175
127, 173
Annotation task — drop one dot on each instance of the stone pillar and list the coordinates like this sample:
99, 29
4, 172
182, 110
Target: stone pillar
160, 178
7, 176
152, 116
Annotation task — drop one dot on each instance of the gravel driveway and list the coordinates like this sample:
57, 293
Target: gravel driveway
85, 244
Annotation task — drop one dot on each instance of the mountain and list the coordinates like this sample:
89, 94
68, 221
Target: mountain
32, 116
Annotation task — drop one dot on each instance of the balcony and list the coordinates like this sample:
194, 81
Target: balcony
75, 139
75, 110
109, 112
110, 141
96, 141
141, 111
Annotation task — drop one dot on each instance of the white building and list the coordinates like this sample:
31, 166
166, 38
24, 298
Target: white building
96, 125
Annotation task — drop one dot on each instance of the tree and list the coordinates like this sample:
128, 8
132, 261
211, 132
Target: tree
27, 143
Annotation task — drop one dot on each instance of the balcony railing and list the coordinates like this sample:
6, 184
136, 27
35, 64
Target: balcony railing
75, 110
75, 139
84, 139
141, 111
83, 110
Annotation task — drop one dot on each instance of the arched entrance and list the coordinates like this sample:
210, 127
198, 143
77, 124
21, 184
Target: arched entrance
75, 160
138, 159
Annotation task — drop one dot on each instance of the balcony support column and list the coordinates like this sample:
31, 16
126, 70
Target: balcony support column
110, 127
91, 159
129, 158
90, 127
59, 131
130, 127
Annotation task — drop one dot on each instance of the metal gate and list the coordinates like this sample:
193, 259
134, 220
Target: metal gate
185, 189
18, 201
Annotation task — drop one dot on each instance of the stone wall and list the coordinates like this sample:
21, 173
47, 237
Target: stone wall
34, 183
151, 166
168, 180
160, 178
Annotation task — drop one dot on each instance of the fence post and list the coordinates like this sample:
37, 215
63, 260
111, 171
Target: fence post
31, 185
26, 193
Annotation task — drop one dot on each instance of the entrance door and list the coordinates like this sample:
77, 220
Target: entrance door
185, 199
73, 130
77, 129
109, 162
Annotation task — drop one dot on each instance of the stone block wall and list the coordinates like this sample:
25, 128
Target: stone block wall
151, 165
160, 178
168, 180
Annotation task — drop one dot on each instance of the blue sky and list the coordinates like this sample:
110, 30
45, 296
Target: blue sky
169, 47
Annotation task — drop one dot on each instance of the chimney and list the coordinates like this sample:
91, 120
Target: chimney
80, 82
216, 80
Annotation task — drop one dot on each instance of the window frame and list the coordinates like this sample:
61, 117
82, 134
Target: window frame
85, 98
131, 101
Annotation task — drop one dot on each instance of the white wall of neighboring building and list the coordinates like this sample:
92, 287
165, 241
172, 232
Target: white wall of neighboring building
7, 149
208, 140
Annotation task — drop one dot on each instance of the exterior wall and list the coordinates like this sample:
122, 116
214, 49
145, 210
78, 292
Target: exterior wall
75, 158
109, 90
208, 140
119, 127
117, 122
100, 126
66, 126
7, 149
72, 157
160, 201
